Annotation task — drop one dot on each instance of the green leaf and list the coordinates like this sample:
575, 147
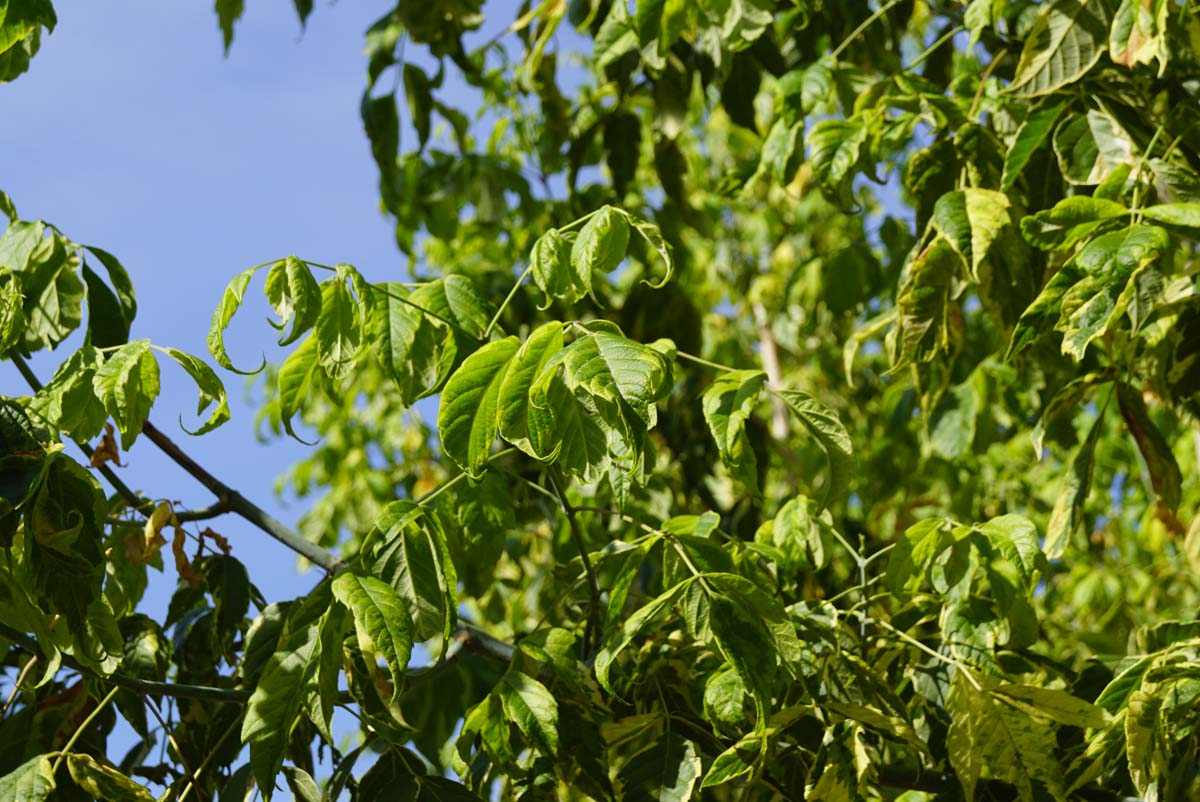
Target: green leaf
802, 532
835, 148
1068, 509
653, 237
12, 315
552, 270
665, 772
563, 429
987, 732
297, 376
418, 92
456, 301
411, 346
972, 220
231, 301
736, 761
288, 679
1015, 537
1069, 221
228, 13
616, 369
339, 328
1091, 146
1041, 316
923, 303
600, 246
632, 627
1139, 33
467, 417
381, 621
407, 549
104, 782
526, 364
32, 781
122, 284
302, 785
915, 552
824, 425
1164, 471
782, 151
743, 641
127, 384
728, 403
69, 399
1067, 39
52, 288
531, 707
295, 296
1108, 263
212, 391
1055, 705
1181, 217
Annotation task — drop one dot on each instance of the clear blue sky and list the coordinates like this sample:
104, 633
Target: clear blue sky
133, 132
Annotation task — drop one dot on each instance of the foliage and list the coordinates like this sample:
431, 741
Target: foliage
748, 480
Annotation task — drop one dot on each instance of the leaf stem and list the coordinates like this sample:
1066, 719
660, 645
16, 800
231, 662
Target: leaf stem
940, 41
591, 628
705, 362
904, 636
883, 9
437, 491
79, 730
17, 685
511, 294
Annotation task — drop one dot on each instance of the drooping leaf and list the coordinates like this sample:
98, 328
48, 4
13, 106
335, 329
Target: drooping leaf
212, 391
339, 327
973, 220
600, 246
1091, 146
830, 433
667, 771
231, 301
1033, 135
32, 781
988, 732
381, 620
127, 384
525, 366
288, 679
1066, 41
1069, 221
531, 707
468, 415
295, 296
104, 782
407, 549
296, 379
728, 403
1164, 471
552, 270
1068, 509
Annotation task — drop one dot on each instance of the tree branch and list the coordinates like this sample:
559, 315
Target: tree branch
236, 502
228, 499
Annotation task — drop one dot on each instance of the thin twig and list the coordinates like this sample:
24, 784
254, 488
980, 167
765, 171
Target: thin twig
79, 730
591, 628
167, 731
12, 697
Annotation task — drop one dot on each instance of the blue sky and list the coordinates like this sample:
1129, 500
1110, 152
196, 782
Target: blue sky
133, 132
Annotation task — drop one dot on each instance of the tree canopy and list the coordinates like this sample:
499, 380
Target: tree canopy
812, 414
